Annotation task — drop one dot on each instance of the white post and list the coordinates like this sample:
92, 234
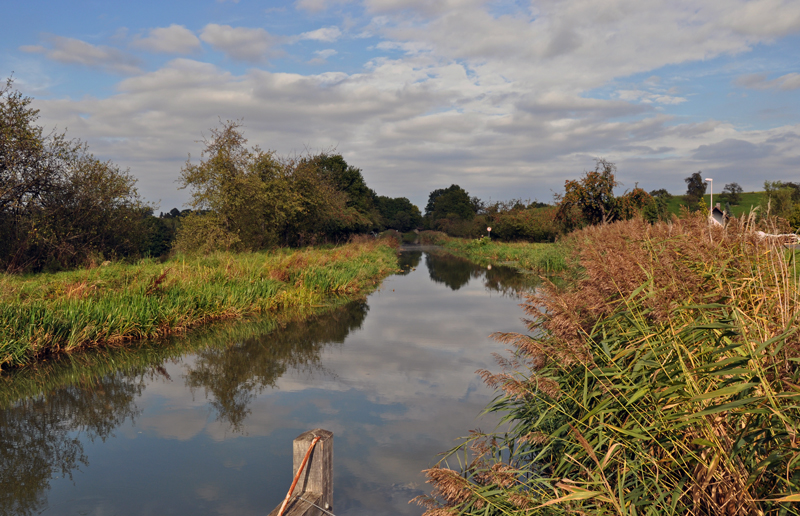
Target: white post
711, 182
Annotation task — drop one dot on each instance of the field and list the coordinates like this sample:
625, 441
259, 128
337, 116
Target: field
749, 200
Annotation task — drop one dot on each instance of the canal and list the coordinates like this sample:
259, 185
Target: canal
204, 426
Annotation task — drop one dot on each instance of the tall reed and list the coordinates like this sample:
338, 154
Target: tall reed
665, 382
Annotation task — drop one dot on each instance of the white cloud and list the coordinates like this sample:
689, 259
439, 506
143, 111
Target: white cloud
326, 34
497, 103
75, 51
175, 39
790, 81
241, 43
315, 6
322, 56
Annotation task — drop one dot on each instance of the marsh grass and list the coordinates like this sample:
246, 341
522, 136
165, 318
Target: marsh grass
45, 314
542, 258
665, 382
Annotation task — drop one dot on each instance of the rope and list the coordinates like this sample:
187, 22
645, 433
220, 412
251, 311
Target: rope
297, 476
317, 506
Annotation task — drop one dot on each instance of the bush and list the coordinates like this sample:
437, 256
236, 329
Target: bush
59, 206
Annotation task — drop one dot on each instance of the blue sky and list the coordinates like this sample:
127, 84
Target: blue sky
506, 98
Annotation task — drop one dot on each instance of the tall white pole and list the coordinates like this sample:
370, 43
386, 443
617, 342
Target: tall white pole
711, 183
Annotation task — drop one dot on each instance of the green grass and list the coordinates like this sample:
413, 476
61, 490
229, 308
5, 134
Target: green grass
543, 258
748, 200
45, 314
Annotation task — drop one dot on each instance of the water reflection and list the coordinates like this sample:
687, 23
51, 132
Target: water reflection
83, 398
456, 272
204, 425
38, 436
233, 376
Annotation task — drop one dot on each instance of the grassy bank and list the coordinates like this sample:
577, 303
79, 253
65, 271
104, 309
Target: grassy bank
541, 258
50, 313
665, 382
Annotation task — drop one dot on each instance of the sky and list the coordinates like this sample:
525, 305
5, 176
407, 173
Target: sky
508, 99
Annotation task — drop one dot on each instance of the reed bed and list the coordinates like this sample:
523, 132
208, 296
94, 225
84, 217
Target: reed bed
666, 381
50, 313
543, 258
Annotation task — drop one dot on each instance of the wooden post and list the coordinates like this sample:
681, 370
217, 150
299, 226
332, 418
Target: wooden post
316, 481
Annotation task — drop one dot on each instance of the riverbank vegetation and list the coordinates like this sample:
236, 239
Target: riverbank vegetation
665, 381
43, 314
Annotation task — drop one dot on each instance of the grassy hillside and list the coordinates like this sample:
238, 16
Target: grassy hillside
749, 200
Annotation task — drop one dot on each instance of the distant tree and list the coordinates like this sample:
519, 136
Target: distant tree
657, 209
589, 200
695, 190
633, 202
795, 190
350, 180
778, 199
732, 193
398, 213
453, 201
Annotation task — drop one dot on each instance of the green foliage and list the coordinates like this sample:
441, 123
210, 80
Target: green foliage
778, 198
453, 203
695, 190
732, 193
247, 199
658, 209
398, 213
59, 206
591, 200
514, 221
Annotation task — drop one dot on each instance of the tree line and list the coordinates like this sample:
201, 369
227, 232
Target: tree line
60, 207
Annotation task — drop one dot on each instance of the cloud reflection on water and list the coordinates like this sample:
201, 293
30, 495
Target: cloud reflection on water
210, 431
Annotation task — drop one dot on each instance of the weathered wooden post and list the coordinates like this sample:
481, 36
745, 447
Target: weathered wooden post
314, 489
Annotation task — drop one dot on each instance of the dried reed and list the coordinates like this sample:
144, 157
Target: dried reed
666, 381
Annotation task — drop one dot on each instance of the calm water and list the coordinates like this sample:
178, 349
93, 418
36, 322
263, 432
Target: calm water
206, 426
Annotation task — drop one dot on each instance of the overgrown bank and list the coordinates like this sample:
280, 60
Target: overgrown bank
665, 382
49, 313
542, 258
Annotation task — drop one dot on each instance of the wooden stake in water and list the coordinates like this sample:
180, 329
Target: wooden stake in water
297, 476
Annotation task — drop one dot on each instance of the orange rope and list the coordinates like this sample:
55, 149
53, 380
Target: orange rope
297, 476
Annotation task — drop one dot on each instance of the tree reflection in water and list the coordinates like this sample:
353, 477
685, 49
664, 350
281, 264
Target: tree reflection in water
40, 436
47, 412
456, 272
233, 376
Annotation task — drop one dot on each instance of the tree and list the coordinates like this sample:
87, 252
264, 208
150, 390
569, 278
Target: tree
249, 199
657, 209
452, 202
59, 206
732, 193
695, 190
398, 213
779, 198
589, 200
